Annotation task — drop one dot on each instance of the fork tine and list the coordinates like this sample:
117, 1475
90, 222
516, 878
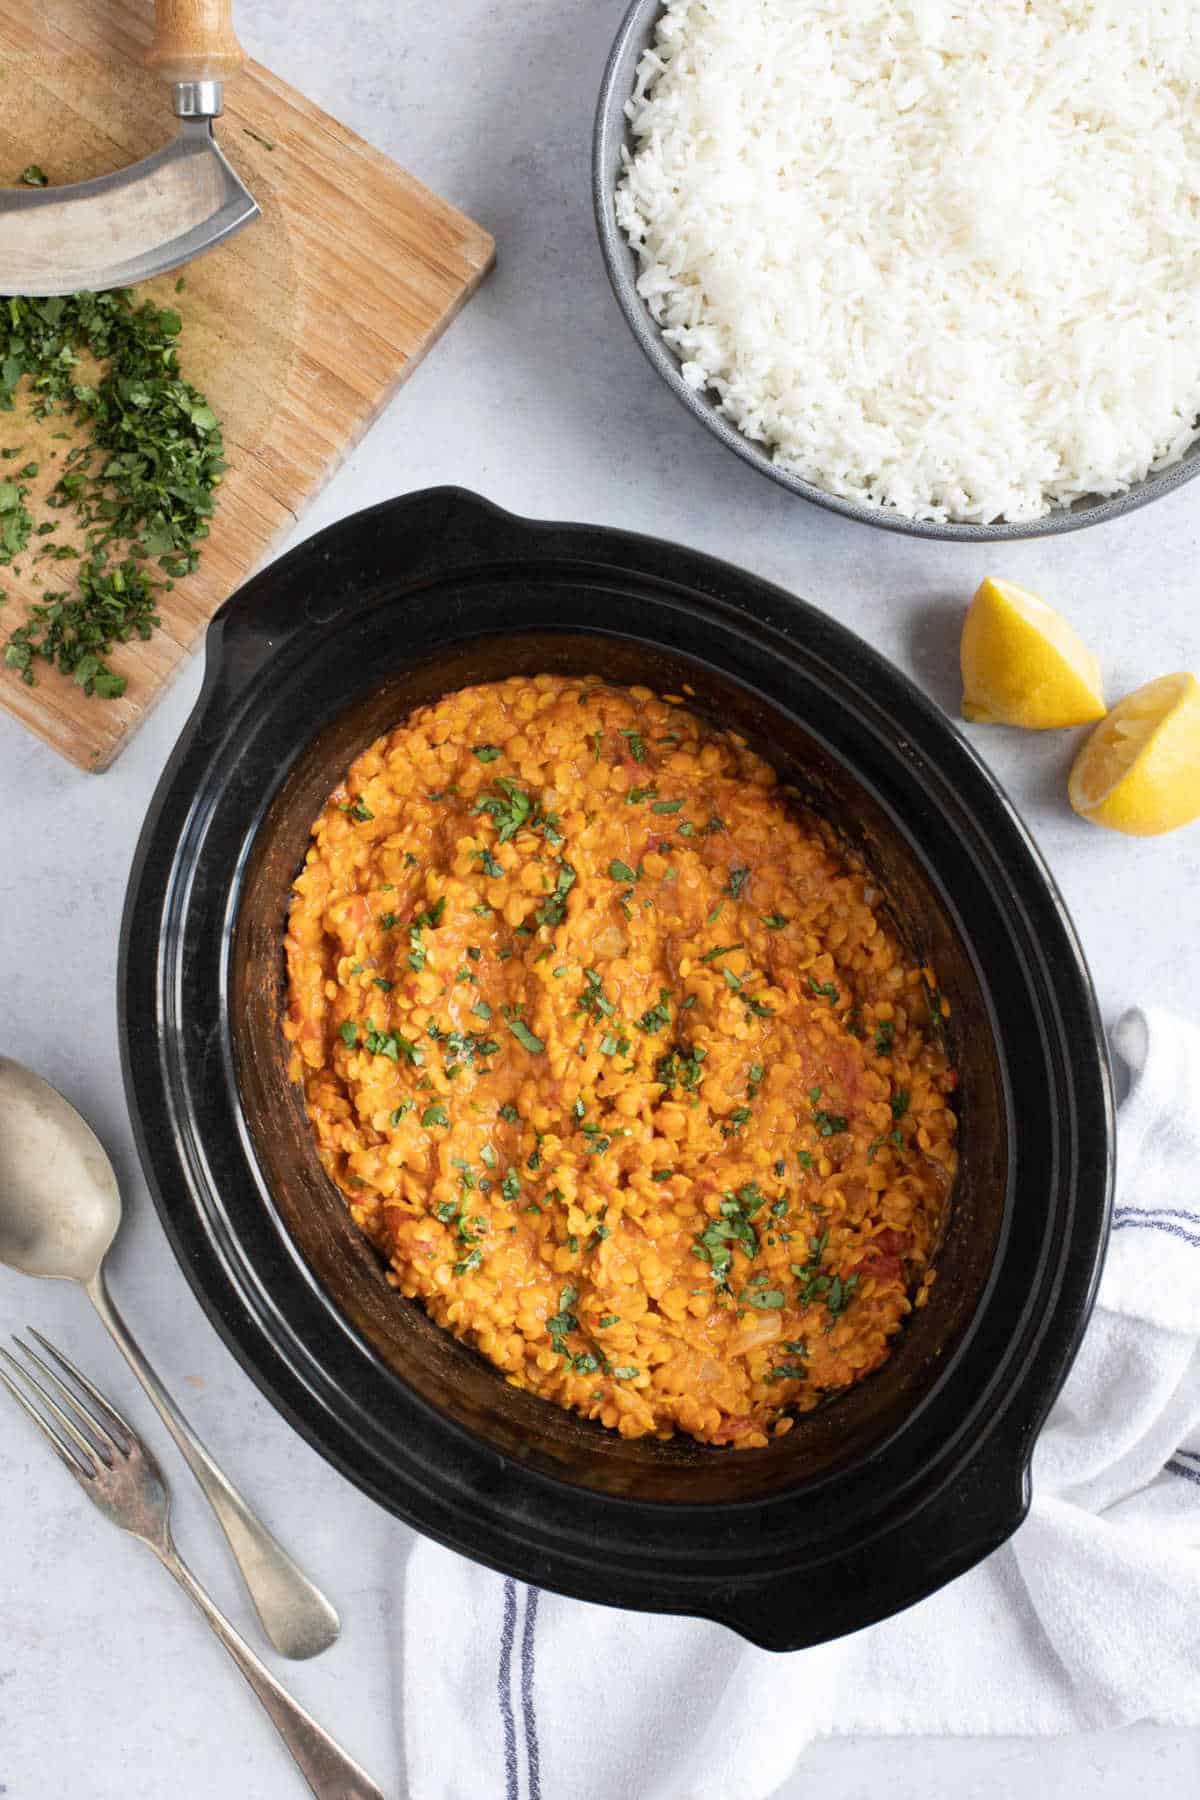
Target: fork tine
87, 1450
44, 1426
106, 1407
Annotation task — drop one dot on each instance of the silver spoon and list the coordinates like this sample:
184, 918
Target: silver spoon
60, 1209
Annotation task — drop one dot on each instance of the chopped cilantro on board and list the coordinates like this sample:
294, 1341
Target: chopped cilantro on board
141, 484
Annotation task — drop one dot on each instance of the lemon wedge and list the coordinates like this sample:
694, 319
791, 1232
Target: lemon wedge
1139, 771
1022, 664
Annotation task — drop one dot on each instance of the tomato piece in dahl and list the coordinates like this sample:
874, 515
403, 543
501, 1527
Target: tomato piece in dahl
618, 1060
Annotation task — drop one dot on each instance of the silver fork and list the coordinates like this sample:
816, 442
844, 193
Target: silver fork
119, 1474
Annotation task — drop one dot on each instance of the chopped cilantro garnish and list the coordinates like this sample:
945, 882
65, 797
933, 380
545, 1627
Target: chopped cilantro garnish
715, 1244
525, 1037
621, 871
564, 1320
840, 1293
593, 1000
656, 1018
719, 950
435, 1115
486, 752
812, 1283
680, 1066
512, 808
666, 806
738, 876
551, 911
390, 1043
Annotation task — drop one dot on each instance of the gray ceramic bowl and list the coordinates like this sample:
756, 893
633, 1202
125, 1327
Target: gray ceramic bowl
636, 33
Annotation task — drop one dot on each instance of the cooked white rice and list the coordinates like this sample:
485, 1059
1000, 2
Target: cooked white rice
941, 257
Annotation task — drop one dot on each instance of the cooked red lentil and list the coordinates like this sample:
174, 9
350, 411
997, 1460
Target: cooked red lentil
618, 1060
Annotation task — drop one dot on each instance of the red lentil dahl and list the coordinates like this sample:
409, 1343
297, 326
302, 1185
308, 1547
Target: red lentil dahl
617, 1059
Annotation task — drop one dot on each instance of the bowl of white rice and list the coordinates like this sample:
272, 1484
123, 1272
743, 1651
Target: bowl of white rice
933, 265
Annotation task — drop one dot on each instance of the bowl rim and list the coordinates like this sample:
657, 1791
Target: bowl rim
609, 135
982, 1478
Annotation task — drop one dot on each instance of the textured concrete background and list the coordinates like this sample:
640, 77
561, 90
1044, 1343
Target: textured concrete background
538, 399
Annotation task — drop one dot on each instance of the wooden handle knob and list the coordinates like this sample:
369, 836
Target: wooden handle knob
194, 41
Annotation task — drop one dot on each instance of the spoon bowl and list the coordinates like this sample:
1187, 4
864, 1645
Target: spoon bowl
60, 1205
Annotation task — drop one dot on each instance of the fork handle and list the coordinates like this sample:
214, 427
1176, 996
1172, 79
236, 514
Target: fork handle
329, 1772
295, 1615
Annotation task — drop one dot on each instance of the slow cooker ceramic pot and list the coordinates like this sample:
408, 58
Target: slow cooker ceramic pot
876, 1498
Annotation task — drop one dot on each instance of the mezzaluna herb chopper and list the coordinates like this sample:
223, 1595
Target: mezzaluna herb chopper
119, 229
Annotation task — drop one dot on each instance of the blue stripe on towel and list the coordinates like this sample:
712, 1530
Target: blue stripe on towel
528, 1669
504, 1688
1159, 1212
1188, 1474
1122, 1222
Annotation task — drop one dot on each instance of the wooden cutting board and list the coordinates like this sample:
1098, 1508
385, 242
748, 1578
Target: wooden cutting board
298, 330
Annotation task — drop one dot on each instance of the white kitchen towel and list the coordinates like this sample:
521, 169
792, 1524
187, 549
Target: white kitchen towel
1088, 1617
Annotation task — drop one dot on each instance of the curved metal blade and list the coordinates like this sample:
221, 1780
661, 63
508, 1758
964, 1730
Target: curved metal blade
123, 228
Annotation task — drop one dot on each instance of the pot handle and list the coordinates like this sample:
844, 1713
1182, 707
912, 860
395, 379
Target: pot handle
395, 547
965, 1522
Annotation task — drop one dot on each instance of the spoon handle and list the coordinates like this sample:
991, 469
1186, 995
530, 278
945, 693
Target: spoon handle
295, 1615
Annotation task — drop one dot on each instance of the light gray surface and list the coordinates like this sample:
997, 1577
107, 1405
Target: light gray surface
539, 399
